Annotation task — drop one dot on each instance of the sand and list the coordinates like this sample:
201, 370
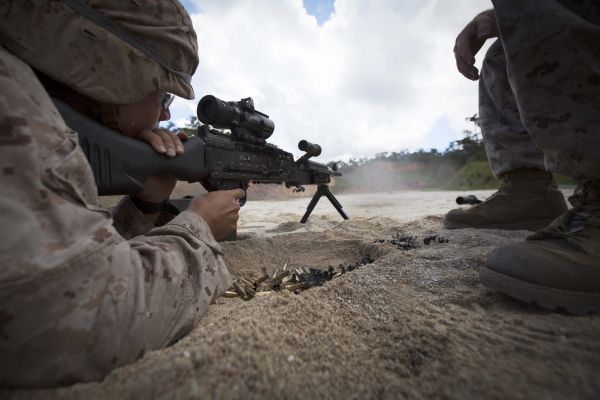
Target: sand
413, 324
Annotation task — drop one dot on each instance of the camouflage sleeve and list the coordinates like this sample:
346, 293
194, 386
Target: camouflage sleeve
130, 222
76, 298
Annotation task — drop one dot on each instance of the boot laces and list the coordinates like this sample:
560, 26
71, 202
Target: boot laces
571, 224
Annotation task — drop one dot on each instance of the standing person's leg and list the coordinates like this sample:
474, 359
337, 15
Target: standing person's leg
508, 145
553, 63
528, 197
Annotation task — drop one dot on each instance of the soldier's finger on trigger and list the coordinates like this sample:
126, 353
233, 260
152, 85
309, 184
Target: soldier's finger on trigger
236, 207
238, 194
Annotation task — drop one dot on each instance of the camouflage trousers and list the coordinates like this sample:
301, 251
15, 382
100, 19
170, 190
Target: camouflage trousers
539, 91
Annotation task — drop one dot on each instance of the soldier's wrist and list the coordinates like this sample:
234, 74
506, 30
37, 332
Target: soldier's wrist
148, 207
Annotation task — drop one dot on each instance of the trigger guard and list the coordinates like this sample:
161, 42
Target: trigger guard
242, 201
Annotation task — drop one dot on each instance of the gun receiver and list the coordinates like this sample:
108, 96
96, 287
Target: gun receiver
216, 159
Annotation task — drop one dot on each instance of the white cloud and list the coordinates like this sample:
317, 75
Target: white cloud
375, 77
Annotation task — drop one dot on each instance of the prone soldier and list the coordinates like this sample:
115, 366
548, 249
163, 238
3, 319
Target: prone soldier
79, 296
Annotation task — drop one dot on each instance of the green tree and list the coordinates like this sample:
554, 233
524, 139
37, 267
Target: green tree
469, 148
191, 126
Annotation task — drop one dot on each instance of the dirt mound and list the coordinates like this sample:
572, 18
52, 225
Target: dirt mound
415, 323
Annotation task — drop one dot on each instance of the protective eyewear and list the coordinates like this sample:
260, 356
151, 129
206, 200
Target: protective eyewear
164, 99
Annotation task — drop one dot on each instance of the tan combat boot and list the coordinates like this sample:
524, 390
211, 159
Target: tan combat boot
528, 199
557, 267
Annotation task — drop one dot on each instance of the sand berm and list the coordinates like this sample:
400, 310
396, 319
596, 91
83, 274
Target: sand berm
413, 324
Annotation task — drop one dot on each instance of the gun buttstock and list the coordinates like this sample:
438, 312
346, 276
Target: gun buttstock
121, 164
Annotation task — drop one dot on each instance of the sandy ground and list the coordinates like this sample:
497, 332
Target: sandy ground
413, 324
261, 218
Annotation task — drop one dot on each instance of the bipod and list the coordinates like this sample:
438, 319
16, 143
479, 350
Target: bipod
323, 190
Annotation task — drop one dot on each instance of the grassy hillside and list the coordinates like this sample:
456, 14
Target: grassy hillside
383, 175
474, 175
477, 175
562, 180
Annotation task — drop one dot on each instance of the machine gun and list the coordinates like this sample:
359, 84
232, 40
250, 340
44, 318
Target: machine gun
217, 159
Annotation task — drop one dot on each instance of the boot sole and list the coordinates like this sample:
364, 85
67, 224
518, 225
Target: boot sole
529, 225
580, 303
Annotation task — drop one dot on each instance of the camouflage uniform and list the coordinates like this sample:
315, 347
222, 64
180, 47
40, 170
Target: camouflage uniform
76, 298
540, 88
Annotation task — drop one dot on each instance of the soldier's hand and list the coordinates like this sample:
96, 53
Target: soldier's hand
470, 40
163, 141
220, 210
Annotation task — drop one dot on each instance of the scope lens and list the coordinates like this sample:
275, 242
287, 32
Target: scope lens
207, 108
216, 112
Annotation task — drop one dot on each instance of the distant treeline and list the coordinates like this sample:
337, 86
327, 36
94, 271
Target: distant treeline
458, 152
463, 165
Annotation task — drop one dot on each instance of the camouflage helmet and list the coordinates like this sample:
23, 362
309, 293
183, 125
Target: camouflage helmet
113, 51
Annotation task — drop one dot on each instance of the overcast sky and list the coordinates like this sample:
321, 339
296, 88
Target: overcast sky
358, 77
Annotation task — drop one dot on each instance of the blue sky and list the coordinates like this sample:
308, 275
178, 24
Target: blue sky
359, 77
190, 6
320, 9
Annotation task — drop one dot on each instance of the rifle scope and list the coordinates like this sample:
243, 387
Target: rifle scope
238, 116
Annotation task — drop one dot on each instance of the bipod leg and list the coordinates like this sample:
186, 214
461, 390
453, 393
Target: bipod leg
335, 203
312, 204
323, 190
